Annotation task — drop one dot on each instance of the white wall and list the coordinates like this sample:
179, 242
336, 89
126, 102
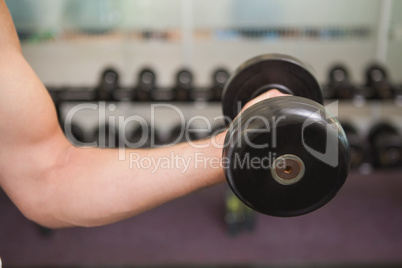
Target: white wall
79, 61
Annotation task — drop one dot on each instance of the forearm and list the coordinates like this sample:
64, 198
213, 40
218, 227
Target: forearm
94, 187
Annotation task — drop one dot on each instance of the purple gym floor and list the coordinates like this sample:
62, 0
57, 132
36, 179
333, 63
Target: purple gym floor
362, 225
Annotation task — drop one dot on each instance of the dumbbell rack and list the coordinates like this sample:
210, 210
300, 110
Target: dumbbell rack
359, 112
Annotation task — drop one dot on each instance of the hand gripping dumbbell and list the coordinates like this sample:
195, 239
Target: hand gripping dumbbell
286, 155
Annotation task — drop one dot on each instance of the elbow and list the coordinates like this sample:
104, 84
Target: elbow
42, 210
47, 222
53, 200
40, 195
41, 214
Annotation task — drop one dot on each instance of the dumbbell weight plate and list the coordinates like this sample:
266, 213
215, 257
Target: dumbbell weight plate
108, 84
375, 73
146, 85
144, 140
76, 132
306, 181
338, 74
387, 145
184, 85
106, 137
266, 72
357, 145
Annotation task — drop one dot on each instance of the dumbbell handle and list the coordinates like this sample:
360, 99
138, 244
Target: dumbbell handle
266, 95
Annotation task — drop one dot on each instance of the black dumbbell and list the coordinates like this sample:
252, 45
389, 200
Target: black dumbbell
213, 92
197, 132
107, 137
378, 85
339, 85
76, 136
304, 153
358, 148
55, 95
108, 84
386, 143
179, 134
184, 85
146, 85
144, 140
219, 80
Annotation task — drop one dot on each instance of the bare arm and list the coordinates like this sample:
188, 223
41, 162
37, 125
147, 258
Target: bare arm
59, 185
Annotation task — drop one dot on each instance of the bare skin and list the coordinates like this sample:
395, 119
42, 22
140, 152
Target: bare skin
58, 185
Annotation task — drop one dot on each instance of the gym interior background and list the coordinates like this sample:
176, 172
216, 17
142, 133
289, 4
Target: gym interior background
69, 43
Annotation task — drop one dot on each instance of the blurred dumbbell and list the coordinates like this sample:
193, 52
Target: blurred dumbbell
144, 137
386, 143
219, 80
80, 94
214, 92
146, 85
302, 156
55, 95
179, 133
184, 85
108, 84
378, 85
198, 129
74, 133
106, 137
339, 86
185, 133
358, 148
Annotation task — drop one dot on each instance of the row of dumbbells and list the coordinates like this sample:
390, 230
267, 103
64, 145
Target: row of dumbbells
139, 136
377, 86
382, 147
109, 89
